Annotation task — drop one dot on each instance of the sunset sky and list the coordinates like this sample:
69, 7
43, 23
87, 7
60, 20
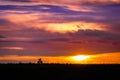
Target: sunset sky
55, 30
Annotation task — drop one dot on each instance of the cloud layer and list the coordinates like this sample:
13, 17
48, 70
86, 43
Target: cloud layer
55, 28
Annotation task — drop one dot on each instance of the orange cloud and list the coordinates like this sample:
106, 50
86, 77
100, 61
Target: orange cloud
38, 22
72, 27
23, 18
13, 48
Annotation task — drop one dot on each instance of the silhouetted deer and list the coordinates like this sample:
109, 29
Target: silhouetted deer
39, 61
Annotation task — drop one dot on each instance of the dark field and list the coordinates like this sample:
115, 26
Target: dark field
59, 72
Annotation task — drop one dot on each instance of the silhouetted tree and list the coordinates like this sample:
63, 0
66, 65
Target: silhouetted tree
20, 62
39, 61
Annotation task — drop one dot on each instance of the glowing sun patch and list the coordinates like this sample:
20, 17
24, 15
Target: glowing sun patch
80, 57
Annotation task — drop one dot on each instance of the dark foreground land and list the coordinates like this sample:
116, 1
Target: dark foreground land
59, 72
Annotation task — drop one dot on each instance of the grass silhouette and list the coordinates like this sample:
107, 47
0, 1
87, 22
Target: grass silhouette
60, 71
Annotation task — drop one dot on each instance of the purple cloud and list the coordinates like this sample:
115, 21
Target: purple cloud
83, 41
28, 26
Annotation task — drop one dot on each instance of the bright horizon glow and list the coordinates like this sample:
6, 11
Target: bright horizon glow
80, 57
106, 58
